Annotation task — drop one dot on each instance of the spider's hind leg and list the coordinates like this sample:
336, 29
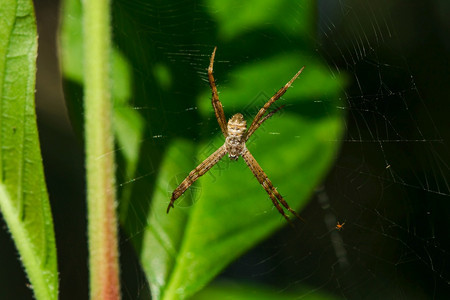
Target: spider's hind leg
280, 209
285, 204
268, 186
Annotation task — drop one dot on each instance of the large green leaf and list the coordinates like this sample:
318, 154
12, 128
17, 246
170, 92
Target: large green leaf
23, 194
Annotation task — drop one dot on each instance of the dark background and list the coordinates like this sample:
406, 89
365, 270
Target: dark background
397, 230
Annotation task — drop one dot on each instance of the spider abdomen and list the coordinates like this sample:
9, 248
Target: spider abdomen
234, 146
234, 143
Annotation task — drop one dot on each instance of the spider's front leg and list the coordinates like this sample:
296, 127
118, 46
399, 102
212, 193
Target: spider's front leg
258, 120
217, 105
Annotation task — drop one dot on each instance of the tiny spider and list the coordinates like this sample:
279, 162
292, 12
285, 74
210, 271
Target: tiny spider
340, 226
236, 134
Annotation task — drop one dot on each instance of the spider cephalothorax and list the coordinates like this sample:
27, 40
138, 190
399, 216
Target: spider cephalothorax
236, 134
234, 142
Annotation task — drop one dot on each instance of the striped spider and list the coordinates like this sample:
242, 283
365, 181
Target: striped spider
236, 135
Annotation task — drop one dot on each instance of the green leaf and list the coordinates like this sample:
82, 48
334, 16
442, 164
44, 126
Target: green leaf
23, 193
236, 17
223, 290
163, 236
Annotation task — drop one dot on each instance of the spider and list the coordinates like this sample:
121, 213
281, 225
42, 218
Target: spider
236, 134
340, 226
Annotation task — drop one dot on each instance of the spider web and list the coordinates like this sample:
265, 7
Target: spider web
390, 182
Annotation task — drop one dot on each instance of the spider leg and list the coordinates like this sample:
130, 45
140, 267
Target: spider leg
283, 202
267, 185
277, 205
266, 106
217, 105
195, 174
262, 121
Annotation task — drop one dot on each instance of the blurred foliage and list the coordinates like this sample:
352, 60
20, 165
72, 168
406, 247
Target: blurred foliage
159, 65
226, 290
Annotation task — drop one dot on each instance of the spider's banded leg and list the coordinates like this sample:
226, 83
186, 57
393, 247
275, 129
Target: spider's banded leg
273, 189
277, 205
267, 185
266, 106
282, 201
217, 105
196, 173
249, 134
263, 179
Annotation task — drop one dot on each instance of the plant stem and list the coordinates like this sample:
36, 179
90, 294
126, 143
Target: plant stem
102, 227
